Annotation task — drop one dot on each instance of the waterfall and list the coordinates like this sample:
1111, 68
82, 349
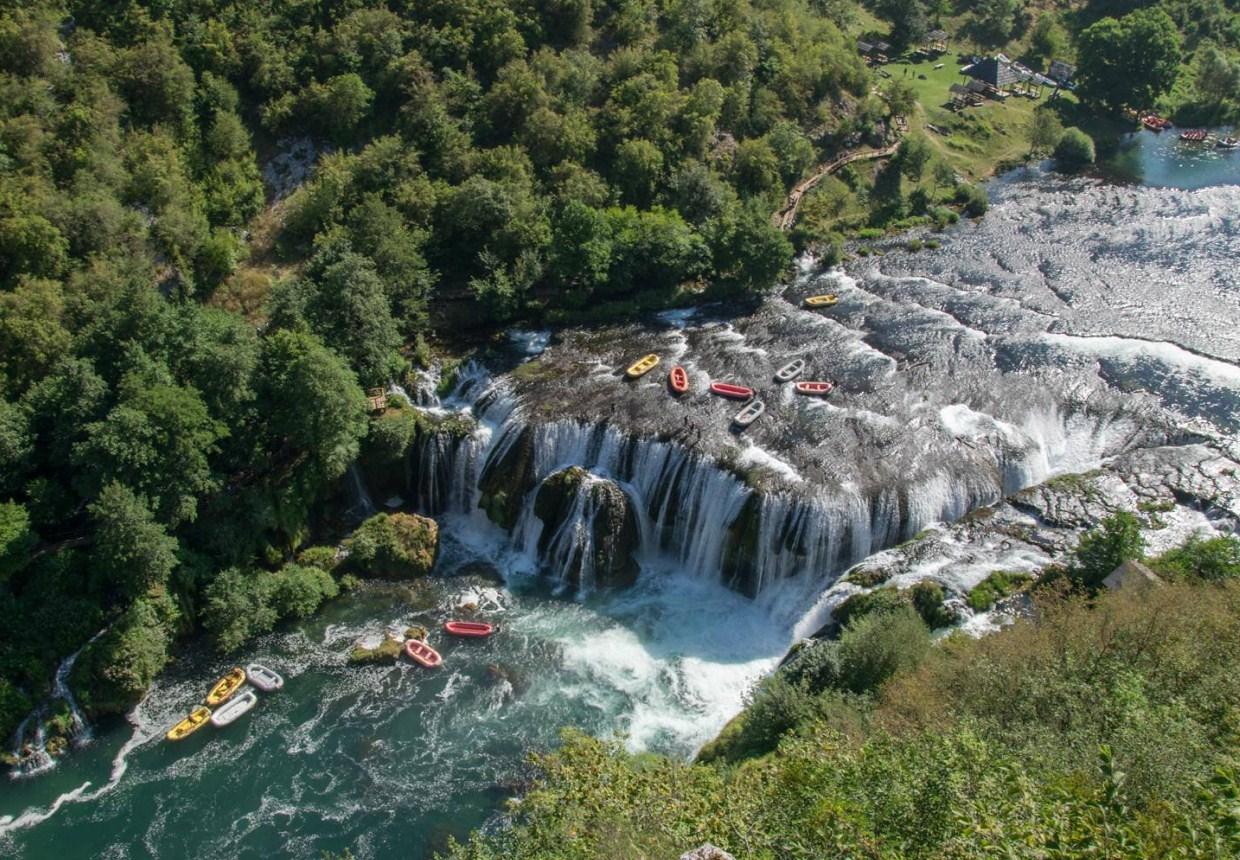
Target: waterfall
360, 504
693, 511
570, 548
32, 757
79, 729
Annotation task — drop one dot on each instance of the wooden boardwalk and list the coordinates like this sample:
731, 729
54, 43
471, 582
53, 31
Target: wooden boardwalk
787, 215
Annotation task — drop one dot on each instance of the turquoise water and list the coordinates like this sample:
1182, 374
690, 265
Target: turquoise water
393, 759
1162, 160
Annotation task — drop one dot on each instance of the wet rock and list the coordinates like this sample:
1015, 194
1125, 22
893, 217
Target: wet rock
590, 529
393, 545
506, 481
741, 551
385, 652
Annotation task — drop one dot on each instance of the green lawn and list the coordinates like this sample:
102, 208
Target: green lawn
981, 138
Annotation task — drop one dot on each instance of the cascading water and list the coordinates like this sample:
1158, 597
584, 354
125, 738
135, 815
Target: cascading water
360, 504
32, 755
78, 730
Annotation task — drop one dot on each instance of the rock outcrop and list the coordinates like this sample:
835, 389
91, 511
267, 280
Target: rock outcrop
590, 529
397, 546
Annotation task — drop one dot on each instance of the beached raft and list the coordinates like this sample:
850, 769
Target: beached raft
195, 721
642, 366
751, 413
234, 710
267, 680
225, 687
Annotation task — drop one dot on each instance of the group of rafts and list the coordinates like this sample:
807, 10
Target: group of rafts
424, 655
678, 377
229, 709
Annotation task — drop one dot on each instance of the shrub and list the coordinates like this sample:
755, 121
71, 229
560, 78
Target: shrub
927, 598
1211, 559
298, 591
998, 585
972, 199
322, 557
1075, 148
115, 671
865, 602
1116, 540
875, 647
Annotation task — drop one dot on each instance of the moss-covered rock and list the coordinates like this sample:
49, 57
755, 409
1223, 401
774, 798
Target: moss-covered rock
396, 546
615, 537
386, 652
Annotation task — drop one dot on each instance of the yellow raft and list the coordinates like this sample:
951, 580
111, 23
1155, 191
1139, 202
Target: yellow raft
225, 687
642, 366
195, 721
823, 301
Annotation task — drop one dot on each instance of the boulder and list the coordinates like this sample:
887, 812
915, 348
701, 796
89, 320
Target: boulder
393, 545
1131, 575
609, 514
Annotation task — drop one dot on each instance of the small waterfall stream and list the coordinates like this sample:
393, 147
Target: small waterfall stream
79, 730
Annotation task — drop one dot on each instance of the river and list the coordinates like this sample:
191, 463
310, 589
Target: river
1079, 322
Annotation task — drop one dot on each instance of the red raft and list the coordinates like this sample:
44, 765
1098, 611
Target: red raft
419, 652
727, 389
814, 389
473, 629
678, 380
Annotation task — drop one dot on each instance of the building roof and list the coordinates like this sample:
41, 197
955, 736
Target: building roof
884, 47
1061, 71
937, 36
1130, 575
998, 71
959, 89
864, 47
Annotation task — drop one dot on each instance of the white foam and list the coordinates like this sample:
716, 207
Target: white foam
755, 456
1130, 350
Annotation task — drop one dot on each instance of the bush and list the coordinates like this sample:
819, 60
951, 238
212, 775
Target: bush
1210, 559
927, 598
115, 671
875, 647
998, 585
1116, 540
1075, 148
865, 602
972, 199
298, 591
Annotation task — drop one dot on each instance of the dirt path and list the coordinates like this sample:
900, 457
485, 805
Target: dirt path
787, 214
